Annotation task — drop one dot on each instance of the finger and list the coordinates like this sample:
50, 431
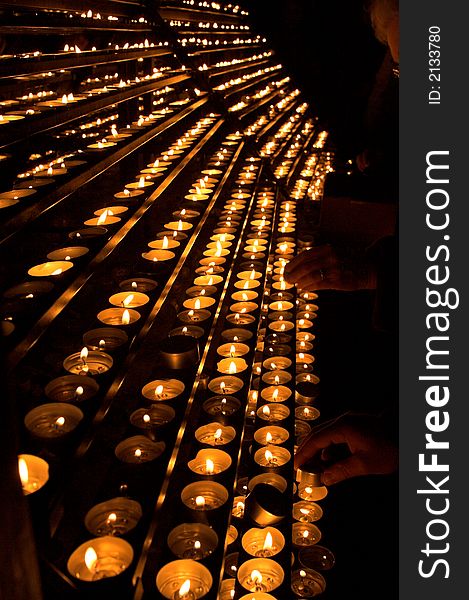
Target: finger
331, 280
344, 469
304, 269
336, 434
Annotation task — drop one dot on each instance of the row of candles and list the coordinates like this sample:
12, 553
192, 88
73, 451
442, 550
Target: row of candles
248, 76
235, 62
185, 577
282, 106
238, 42
276, 141
209, 24
105, 557
230, 8
266, 91
312, 177
297, 145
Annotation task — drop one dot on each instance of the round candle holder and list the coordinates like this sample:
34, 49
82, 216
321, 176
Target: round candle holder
232, 365
192, 540
199, 302
71, 388
208, 280
194, 316
307, 413
302, 429
258, 596
53, 421
305, 534
230, 565
277, 377
221, 407
277, 362
266, 505
186, 213
276, 393
260, 575
117, 517
104, 219
215, 434
88, 234
227, 589
273, 479
231, 535
105, 338
164, 244
29, 290
68, 253
271, 435
316, 557
199, 290
228, 384
263, 543
157, 256
118, 316
157, 416
178, 226
240, 319
179, 352
50, 269
312, 493
307, 583
129, 299
163, 389
235, 349
34, 473
307, 512
272, 457
106, 556
191, 330
244, 296
179, 236
95, 363
236, 335
138, 449
138, 284
273, 412
204, 495
210, 462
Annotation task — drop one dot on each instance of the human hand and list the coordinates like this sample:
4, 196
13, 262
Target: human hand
371, 453
320, 269
362, 161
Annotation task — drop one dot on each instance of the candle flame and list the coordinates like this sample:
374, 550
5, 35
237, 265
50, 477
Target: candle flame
159, 390
256, 576
304, 511
252, 274
305, 533
268, 437
102, 217
79, 391
185, 588
200, 501
84, 354
308, 489
217, 435
165, 242
128, 300
302, 573
267, 542
146, 418
268, 455
180, 226
141, 182
233, 368
125, 317
197, 545
275, 394
209, 466
266, 411
60, 421
57, 272
91, 558
232, 350
197, 304
138, 453
23, 471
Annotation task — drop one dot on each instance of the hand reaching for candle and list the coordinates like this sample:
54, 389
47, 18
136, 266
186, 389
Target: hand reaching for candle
370, 450
321, 269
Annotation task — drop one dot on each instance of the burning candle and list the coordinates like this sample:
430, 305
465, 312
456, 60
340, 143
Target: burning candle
68, 253
138, 449
163, 389
227, 384
232, 365
113, 517
215, 434
199, 302
106, 218
263, 542
260, 575
157, 256
118, 316
183, 579
129, 299
50, 269
273, 412
33, 472
271, 435
192, 540
272, 456
307, 583
100, 558
53, 420
88, 363
312, 494
140, 184
164, 244
194, 316
276, 393
204, 495
210, 462
307, 512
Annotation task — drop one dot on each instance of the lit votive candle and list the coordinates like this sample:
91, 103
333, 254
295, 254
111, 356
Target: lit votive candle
183, 579
103, 144
208, 280
138, 449
312, 494
204, 495
240, 318
163, 389
50, 269
106, 218
277, 377
53, 420
210, 462
178, 225
244, 307
272, 456
118, 316
232, 365
260, 575
244, 296
249, 275
100, 558
305, 534
277, 362
307, 512
281, 326
307, 413
192, 540
271, 435
166, 243
88, 363
199, 302
117, 517
215, 434
263, 542
194, 316
33, 472
307, 583
68, 253
157, 256
273, 412
129, 299
128, 194
140, 184
228, 384
234, 349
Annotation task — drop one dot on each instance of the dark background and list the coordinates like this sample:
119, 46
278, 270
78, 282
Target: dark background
329, 48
